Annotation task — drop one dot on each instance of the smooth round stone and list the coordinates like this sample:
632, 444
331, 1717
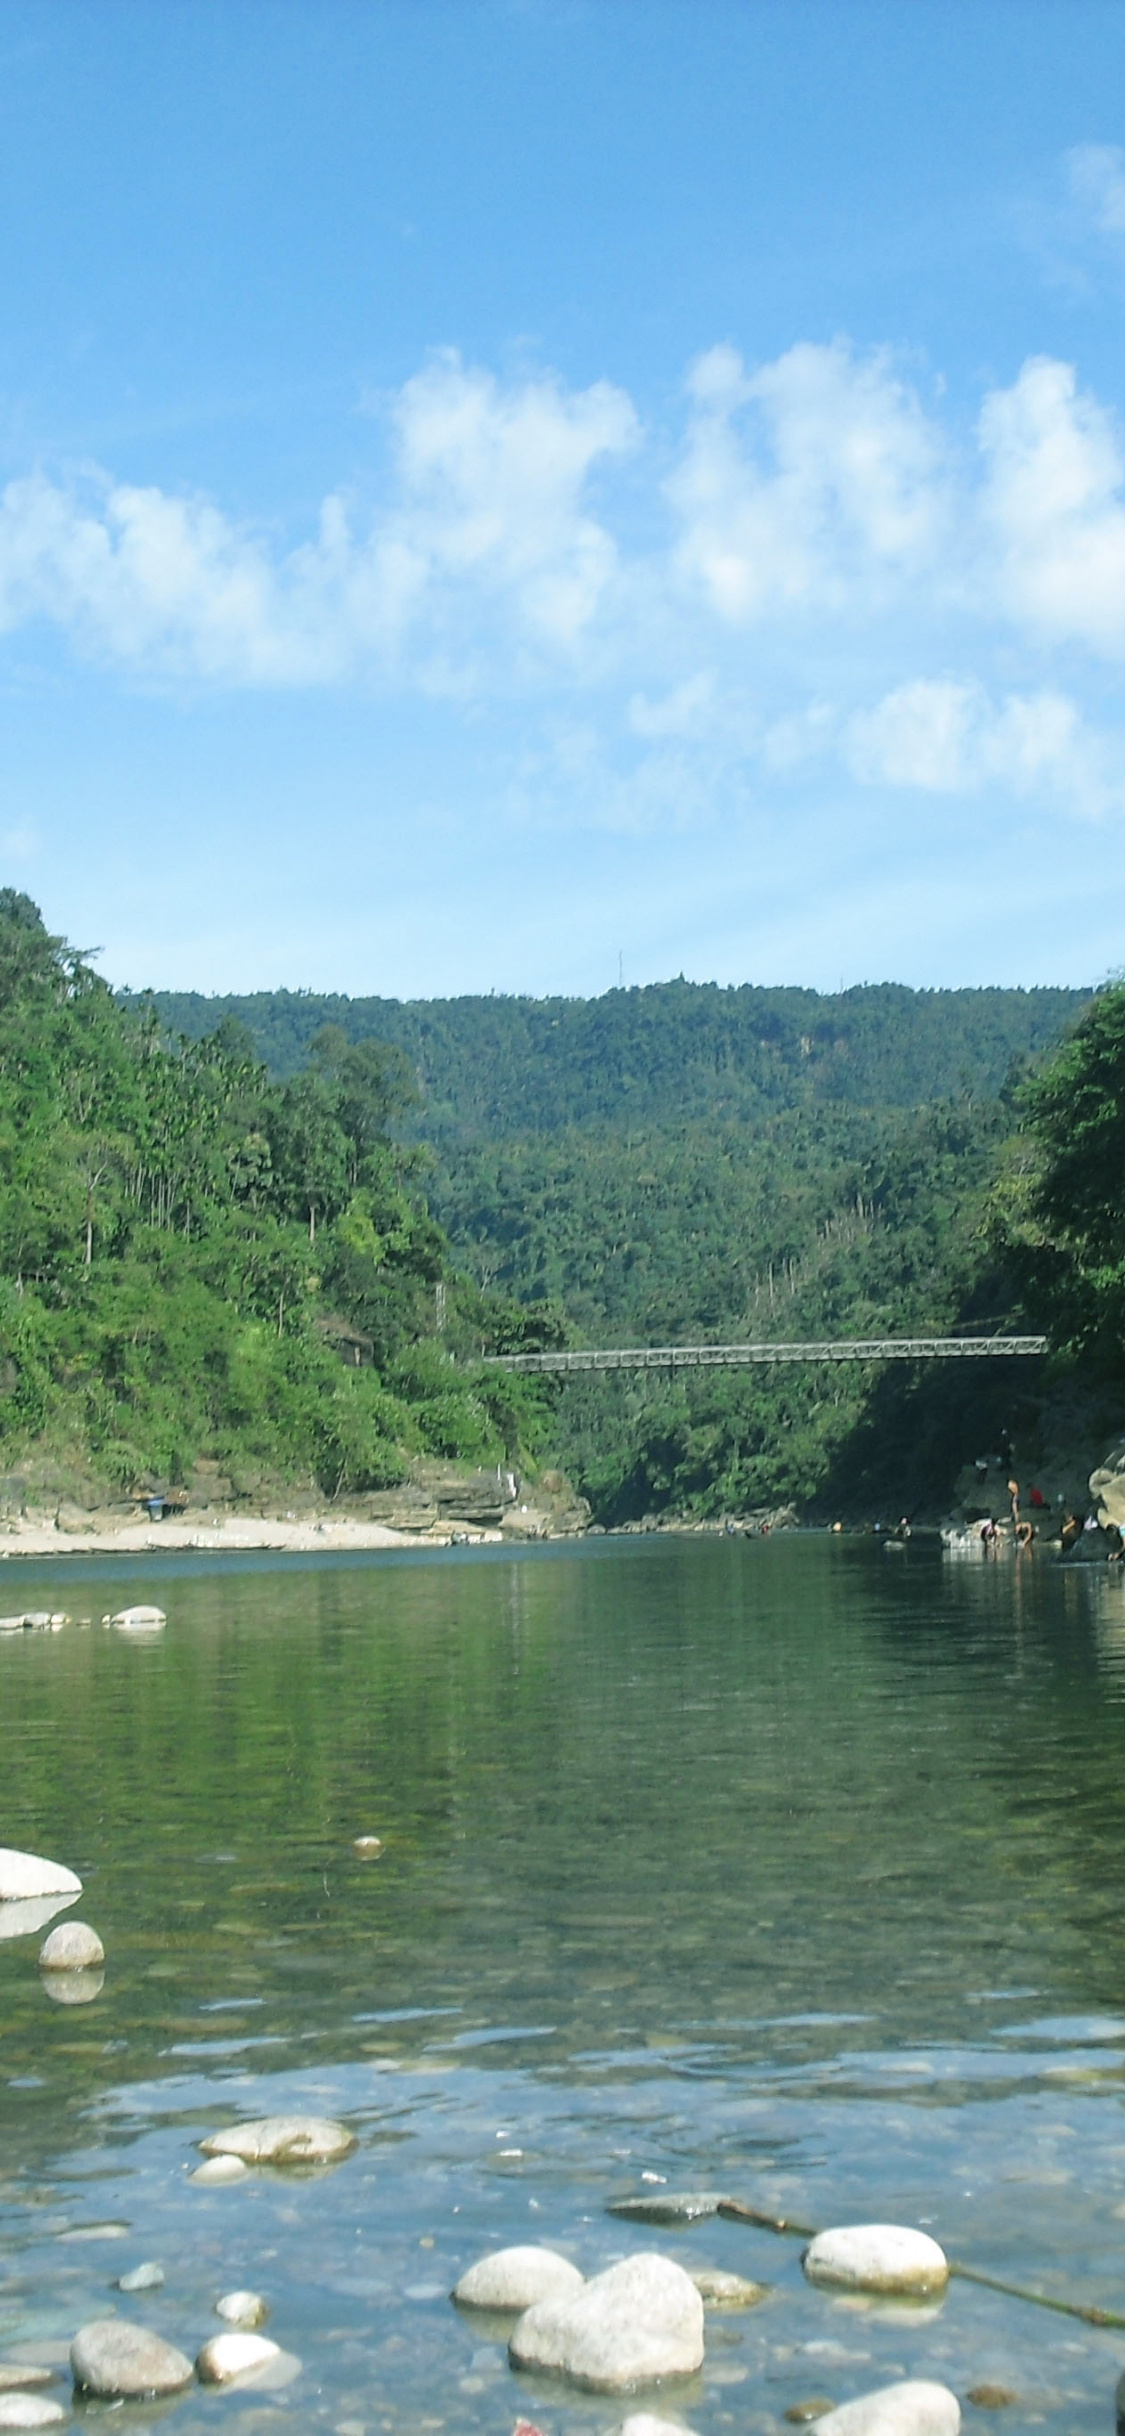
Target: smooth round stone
23, 1874
367, 1847
642, 2423
72, 1946
877, 2258
138, 1619
146, 2278
121, 2362
282, 2140
21, 2376
228, 2356
516, 2279
667, 2207
915, 2408
638, 2322
29, 2411
219, 2170
242, 2309
723, 2291
72, 1987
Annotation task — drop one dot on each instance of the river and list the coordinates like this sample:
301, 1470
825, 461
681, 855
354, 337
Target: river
785, 1868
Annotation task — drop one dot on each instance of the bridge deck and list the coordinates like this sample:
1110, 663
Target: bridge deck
734, 1357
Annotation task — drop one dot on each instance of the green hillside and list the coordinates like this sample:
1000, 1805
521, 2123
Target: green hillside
490, 1068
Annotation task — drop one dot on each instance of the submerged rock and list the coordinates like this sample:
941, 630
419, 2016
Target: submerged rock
242, 2309
146, 2278
138, 1619
816, 2406
915, 2408
219, 2170
23, 1874
23, 2410
121, 2362
638, 2322
999, 2397
724, 2291
667, 2207
228, 2356
72, 1946
516, 2279
283, 2140
877, 2258
17, 2376
367, 1847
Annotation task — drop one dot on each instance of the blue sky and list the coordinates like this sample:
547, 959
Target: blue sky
500, 494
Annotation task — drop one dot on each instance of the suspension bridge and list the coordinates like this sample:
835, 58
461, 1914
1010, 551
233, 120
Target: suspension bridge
737, 1357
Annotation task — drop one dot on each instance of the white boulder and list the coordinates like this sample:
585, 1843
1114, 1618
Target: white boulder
516, 2279
227, 2356
29, 2411
914, 2408
24, 1874
283, 2140
138, 1619
638, 2322
122, 2362
877, 2258
72, 1947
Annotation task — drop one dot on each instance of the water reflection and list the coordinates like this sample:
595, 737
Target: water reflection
762, 1866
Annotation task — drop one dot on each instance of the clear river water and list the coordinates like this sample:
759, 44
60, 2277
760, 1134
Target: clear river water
783, 1868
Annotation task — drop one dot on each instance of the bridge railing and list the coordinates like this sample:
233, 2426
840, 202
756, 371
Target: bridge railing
734, 1357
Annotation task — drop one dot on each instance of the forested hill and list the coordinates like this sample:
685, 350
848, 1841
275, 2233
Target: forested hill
676, 1051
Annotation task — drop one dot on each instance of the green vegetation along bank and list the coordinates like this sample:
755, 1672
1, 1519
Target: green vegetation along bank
272, 1238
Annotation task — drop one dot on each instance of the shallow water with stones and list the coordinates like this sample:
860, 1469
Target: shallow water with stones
784, 1868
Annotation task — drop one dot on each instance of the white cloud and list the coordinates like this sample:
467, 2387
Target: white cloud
1053, 523
487, 513
1096, 174
945, 737
847, 487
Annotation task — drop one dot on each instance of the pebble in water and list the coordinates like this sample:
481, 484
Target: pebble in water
21, 2375
283, 2140
219, 2170
815, 2406
367, 1847
146, 2278
138, 1619
667, 2207
29, 2411
877, 2258
228, 2356
642, 2423
72, 1946
638, 2322
724, 2291
998, 2397
121, 2363
25, 1873
516, 2279
914, 2408
242, 2309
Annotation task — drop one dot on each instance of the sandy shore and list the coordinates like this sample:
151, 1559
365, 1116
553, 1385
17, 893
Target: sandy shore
39, 1538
